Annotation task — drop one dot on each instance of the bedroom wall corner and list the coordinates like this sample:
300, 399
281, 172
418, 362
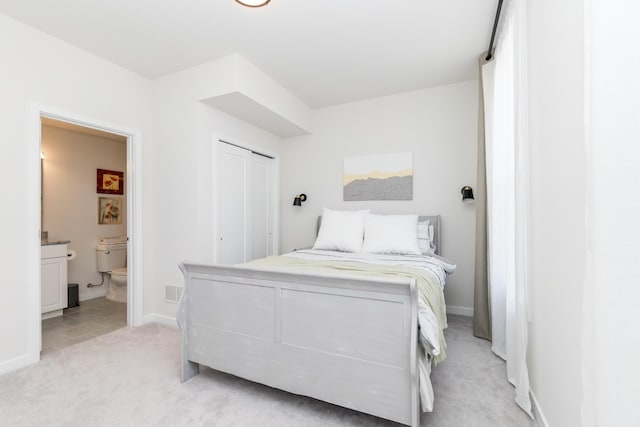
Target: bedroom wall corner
185, 128
438, 125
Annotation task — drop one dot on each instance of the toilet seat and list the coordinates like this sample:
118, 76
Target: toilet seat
119, 271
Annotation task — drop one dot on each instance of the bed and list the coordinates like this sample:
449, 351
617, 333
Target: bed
350, 331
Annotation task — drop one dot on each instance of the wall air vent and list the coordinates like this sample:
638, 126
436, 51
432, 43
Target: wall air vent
172, 293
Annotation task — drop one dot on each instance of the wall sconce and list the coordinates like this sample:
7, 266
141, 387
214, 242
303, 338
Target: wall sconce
297, 201
467, 194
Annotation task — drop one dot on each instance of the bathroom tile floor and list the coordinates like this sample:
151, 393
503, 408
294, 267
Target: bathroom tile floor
90, 319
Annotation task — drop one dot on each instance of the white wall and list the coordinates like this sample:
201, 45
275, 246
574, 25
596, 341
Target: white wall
182, 216
614, 203
558, 207
439, 126
71, 202
584, 91
37, 68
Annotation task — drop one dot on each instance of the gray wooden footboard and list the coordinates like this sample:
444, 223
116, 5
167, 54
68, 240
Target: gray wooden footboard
351, 342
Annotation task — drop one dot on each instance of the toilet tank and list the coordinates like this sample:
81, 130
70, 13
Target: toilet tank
110, 256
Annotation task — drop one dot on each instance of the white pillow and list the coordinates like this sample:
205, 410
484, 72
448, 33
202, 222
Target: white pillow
425, 238
341, 231
391, 234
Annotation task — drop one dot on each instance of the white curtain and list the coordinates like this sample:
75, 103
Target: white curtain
505, 94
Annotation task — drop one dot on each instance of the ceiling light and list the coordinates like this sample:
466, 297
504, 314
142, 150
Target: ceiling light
253, 3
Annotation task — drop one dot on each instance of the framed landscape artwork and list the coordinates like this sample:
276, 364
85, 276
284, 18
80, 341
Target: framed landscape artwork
378, 177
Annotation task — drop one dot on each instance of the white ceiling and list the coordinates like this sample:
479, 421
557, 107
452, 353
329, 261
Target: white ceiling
325, 52
81, 129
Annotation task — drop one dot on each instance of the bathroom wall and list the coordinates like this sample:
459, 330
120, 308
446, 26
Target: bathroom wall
70, 201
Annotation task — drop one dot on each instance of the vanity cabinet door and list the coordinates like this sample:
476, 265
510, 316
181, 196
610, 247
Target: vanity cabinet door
54, 284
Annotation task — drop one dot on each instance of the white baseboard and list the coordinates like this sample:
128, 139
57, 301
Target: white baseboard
460, 311
537, 412
17, 363
160, 319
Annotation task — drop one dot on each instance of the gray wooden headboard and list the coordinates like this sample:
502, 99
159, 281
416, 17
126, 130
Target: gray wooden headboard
433, 220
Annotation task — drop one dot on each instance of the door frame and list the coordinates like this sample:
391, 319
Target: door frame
275, 191
133, 184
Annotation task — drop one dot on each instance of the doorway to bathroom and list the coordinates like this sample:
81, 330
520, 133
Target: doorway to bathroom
83, 202
77, 209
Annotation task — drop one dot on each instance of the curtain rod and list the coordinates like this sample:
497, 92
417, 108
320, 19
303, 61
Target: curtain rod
493, 33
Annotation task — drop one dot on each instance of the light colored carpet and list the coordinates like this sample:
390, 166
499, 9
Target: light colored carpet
130, 377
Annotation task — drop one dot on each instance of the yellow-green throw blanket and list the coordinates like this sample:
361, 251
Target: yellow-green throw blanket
429, 289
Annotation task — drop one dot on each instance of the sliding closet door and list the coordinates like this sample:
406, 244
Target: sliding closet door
234, 174
245, 204
261, 210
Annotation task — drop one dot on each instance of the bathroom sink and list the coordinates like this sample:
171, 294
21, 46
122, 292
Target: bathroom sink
51, 242
57, 250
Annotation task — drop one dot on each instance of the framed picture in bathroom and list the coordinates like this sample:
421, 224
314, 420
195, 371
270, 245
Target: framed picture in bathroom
110, 182
110, 210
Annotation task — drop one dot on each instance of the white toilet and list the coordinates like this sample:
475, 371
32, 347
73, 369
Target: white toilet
112, 258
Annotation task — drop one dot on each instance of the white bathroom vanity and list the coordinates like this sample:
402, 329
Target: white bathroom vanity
53, 277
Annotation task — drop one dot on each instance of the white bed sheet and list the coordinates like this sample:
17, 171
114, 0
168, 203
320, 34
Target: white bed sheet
439, 266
